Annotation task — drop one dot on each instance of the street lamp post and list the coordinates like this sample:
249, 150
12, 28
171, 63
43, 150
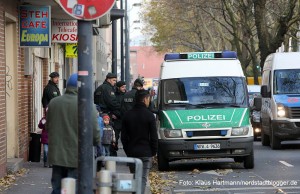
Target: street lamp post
127, 52
122, 45
127, 49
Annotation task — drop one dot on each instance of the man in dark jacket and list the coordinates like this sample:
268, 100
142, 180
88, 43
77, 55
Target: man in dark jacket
139, 133
129, 97
121, 90
51, 90
105, 96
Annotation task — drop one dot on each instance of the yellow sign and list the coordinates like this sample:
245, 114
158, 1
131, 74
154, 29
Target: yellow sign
148, 83
71, 50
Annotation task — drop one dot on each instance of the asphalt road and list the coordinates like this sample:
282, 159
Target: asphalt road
275, 171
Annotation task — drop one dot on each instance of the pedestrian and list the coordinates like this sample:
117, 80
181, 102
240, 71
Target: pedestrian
51, 90
62, 127
108, 139
44, 140
99, 149
105, 96
120, 91
139, 134
129, 97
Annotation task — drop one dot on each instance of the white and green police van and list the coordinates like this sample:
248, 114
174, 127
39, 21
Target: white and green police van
203, 109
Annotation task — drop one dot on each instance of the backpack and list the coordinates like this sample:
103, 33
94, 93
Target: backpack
107, 136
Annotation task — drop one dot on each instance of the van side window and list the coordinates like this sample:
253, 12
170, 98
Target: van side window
265, 77
266, 80
174, 91
270, 81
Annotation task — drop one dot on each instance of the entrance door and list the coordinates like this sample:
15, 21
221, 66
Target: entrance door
11, 89
38, 90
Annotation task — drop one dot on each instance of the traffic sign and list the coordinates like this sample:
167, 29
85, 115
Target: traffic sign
86, 9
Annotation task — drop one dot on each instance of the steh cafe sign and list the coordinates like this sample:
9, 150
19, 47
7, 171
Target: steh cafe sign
64, 31
35, 27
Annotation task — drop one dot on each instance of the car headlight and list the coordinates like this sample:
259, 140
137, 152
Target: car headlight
281, 110
172, 133
239, 131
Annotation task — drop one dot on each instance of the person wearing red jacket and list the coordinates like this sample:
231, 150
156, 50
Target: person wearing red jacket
44, 140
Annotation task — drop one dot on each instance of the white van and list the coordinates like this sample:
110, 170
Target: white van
203, 108
280, 113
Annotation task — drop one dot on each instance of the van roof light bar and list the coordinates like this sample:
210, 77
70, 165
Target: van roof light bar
201, 55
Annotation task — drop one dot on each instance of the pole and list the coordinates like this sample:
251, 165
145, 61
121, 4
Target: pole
122, 44
85, 105
114, 45
127, 52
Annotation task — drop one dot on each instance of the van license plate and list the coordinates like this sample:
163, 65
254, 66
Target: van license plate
211, 146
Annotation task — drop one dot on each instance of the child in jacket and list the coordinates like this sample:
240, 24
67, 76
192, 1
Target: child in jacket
108, 137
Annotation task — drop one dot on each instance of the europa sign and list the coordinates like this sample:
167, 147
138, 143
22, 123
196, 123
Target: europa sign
35, 26
64, 31
86, 9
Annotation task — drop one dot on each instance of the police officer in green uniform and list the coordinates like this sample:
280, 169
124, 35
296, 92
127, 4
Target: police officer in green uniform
117, 123
105, 96
51, 90
129, 97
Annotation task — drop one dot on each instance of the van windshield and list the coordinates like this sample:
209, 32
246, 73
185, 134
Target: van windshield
205, 91
287, 81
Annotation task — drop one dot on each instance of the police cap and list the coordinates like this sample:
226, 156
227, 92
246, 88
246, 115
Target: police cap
54, 74
111, 75
120, 84
138, 82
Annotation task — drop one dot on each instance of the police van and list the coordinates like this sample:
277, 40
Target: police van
280, 112
203, 109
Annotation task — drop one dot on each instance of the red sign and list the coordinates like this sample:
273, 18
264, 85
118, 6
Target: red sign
293, 100
86, 9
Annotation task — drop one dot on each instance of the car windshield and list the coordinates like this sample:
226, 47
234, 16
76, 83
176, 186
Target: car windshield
205, 91
287, 81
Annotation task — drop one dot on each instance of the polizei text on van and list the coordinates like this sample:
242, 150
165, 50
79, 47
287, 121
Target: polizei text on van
206, 118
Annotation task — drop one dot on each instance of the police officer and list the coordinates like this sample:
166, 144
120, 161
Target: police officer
105, 97
51, 90
129, 97
120, 91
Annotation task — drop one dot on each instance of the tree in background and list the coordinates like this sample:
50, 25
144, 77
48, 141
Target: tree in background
254, 28
276, 22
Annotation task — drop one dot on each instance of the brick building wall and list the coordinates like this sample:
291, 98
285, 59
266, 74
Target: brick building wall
2, 95
25, 101
24, 84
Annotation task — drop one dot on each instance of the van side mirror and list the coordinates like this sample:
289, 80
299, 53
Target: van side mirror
257, 103
264, 92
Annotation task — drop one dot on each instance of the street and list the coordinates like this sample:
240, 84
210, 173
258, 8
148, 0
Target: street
275, 171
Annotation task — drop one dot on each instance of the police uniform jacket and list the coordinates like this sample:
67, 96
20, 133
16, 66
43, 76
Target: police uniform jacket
105, 97
128, 101
50, 91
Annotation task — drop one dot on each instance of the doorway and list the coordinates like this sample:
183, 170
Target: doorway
38, 89
11, 87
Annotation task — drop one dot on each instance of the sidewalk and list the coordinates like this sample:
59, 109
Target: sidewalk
38, 179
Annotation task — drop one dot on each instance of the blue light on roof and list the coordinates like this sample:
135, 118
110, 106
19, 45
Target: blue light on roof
201, 55
172, 56
229, 54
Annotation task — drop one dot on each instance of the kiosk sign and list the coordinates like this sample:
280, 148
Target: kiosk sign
86, 9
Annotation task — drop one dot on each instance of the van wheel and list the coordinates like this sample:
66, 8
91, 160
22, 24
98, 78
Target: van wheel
249, 161
275, 142
265, 139
162, 162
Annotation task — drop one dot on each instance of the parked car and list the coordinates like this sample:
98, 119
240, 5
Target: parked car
254, 93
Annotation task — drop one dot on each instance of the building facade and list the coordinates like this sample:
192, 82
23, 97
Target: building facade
24, 73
